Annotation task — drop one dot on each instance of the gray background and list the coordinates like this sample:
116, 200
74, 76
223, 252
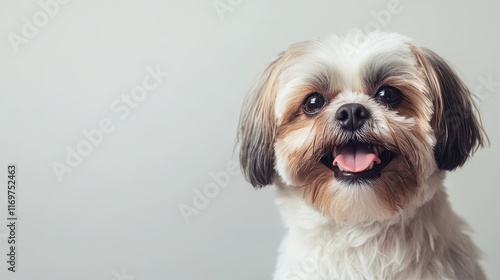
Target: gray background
117, 214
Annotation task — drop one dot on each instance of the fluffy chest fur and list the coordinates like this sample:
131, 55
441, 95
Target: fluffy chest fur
427, 244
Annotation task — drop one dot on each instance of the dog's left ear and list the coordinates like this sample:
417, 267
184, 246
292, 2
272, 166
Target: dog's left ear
257, 129
456, 121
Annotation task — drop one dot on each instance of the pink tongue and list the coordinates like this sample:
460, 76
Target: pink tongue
355, 158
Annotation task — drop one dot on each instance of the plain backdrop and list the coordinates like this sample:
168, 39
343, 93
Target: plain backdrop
116, 213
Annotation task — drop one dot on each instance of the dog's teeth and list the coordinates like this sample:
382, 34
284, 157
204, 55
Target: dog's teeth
371, 166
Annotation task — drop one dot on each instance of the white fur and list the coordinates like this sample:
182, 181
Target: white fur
424, 243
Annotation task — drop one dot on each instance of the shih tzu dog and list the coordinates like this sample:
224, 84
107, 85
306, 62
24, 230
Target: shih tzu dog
357, 134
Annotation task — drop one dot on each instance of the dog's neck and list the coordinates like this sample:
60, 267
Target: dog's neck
413, 237
301, 216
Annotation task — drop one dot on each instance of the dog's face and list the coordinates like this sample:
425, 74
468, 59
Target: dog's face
356, 126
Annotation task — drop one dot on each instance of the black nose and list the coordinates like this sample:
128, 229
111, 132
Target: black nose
352, 116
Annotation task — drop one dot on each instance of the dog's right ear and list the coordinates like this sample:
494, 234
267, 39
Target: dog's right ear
456, 120
257, 128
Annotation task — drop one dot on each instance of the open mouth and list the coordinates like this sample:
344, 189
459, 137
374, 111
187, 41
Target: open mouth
358, 161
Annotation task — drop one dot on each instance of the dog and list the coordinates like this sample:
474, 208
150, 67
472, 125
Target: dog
357, 134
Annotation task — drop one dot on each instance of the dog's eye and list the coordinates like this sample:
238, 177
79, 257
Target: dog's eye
389, 95
313, 103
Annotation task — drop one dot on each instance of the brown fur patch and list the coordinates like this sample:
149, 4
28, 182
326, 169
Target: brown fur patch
257, 128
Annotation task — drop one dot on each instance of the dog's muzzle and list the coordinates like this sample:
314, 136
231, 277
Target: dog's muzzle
356, 160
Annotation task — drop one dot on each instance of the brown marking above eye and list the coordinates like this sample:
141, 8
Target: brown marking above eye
396, 70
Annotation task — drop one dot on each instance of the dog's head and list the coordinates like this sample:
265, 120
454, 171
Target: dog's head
357, 125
